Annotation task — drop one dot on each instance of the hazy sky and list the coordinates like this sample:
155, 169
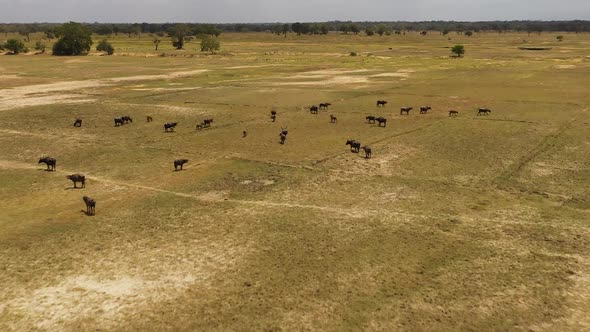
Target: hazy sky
229, 11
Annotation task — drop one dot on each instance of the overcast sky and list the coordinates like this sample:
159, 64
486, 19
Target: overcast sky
250, 11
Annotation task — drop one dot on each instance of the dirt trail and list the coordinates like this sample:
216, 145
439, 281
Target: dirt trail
53, 93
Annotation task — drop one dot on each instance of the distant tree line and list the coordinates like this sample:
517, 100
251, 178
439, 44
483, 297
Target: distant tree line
444, 27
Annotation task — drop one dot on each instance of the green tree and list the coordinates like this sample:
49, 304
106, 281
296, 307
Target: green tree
345, 28
370, 31
74, 39
468, 33
458, 50
105, 46
355, 29
180, 33
381, 29
286, 29
15, 46
210, 44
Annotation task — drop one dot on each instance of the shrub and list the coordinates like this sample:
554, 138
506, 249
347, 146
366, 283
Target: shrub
559, 38
105, 46
15, 46
353, 54
209, 43
458, 50
39, 46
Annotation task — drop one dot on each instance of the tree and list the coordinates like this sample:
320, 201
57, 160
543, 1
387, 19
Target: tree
369, 31
381, 29
458, 50
445, 32
355, 29
104, 30
105, 46
297, 28
209, 43
179, 33
286, 29
39, 46
15, 46
74, 39
345, 28
157, 42
468, 33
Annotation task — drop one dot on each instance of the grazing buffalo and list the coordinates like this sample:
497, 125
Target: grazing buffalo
370, 119
284, 131
273, 112
90, 205
77, 178
149, 119
325, 106
78, 123
453, 113
50, 162
179, 163
381, 103
405, 110
207, 122
484, 111
244, 133
313, 110
126, 119
283, 137
170, 126
382, 121
354, 145
333, 119
368, 152
119, 122
425, 109
273, 118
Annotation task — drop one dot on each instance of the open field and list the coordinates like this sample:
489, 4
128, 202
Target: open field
467, 223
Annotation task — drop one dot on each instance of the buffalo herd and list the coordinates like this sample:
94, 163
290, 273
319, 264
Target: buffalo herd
355, 145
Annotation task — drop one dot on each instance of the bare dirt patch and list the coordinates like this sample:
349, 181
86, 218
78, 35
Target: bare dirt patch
337, 80
565, 66
41, 94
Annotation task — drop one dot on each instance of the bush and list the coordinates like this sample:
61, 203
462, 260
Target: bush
39, 46
559, 38
369, 31
15, 46
105, 46
468, 33
353, 54
74, 39
209, 43
458, 50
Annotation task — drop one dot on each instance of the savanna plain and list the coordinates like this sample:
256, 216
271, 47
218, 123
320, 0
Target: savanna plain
456, 223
